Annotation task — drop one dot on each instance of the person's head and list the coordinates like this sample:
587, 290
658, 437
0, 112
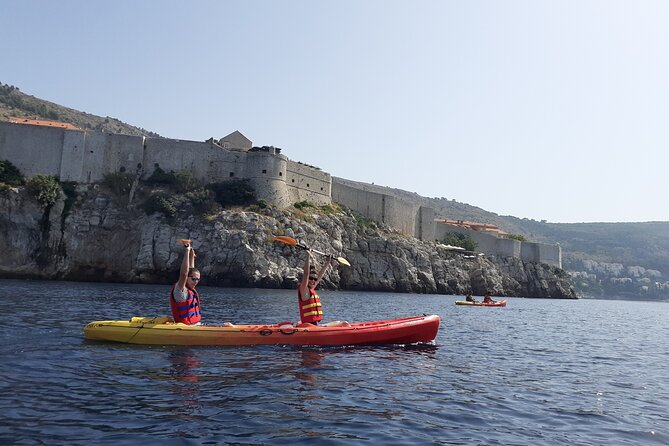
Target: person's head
311, 280
193, 277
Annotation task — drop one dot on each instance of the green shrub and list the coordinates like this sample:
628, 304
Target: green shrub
119, 182
186, 182
330, 209
461, 240
518, 237
10, 174
234, 192
160, 177
69, 188
162, 203
364, 222
301, 205
44, 188
202, 201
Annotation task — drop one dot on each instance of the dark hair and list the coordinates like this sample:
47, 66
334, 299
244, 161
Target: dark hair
192, 271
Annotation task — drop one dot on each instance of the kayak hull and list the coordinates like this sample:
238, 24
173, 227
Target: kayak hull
162, 331
499, 303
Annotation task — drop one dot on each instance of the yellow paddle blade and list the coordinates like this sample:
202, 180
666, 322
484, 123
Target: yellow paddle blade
343, 261
285, 239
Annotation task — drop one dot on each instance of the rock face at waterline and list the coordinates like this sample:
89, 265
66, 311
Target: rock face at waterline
99, 238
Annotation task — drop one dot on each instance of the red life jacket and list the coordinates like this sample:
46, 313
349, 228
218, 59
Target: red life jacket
187, 311
310, 310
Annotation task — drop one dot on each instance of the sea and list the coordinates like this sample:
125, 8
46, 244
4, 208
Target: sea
537, 372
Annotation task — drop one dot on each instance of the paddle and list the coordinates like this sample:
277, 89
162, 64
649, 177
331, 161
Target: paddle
292, 242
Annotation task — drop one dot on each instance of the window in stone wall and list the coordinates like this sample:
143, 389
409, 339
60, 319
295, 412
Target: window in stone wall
307, 184
293, 180
232, 174
280, 174
264, 171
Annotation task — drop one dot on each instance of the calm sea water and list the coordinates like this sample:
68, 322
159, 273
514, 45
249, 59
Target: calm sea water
538, 372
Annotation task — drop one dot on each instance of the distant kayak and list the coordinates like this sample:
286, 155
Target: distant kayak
162, 331
499, 303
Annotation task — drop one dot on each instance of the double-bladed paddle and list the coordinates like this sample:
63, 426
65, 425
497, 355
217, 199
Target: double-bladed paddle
292, 242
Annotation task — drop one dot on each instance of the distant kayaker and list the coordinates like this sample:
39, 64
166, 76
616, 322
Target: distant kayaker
184, 299
487, 299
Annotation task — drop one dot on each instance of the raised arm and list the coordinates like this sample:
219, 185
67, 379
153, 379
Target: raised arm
185, 265
191, 258
321, 273
304, 290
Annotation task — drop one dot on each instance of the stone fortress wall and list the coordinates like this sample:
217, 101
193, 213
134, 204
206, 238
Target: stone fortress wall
418, 221
87, 156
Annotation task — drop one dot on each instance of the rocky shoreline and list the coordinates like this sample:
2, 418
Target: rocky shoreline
98, 237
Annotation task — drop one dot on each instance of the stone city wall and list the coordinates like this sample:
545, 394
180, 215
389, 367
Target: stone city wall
503, 247
392, 211
87, 156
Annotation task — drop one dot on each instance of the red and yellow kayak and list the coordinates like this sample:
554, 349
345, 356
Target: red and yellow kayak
499, 303
163, 331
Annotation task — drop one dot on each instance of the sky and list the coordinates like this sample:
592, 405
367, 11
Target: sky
548, 110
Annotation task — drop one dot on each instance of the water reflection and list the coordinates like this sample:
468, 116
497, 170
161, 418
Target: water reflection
310, 363
185, 380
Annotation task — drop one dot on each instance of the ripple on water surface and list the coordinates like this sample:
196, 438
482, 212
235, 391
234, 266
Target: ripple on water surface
536, 372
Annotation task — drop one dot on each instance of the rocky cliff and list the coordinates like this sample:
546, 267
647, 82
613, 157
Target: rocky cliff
98, 237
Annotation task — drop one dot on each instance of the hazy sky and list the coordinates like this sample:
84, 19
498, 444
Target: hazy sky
552, 110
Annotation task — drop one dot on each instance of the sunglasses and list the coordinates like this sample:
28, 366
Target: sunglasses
195, 279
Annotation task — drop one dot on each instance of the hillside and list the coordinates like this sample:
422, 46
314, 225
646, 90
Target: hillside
605, 259
16, 104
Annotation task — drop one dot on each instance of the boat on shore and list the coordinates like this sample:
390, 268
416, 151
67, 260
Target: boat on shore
163, 331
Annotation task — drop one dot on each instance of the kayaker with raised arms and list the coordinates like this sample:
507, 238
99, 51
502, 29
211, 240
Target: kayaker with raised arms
309, 301
184, 299
311, 311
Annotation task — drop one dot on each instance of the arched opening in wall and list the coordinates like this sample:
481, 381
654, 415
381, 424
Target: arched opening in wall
293, 180
280, 174
232, 174
307, 184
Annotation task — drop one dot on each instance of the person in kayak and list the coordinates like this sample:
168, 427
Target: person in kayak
184, 299
469, 298
487, 299
311, 311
